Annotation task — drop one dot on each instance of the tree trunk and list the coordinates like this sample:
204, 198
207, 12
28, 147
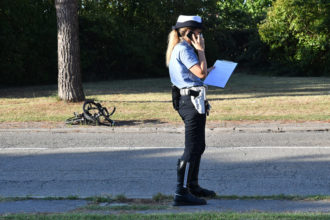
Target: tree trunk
69, 76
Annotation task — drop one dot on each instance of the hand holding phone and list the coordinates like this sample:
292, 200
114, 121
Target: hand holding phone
196, 41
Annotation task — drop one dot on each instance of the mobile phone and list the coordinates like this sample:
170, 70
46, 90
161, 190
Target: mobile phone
189, 35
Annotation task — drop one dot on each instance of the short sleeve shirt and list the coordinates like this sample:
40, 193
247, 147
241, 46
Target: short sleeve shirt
183, 57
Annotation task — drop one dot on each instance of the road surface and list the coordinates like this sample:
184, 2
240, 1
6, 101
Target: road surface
140, 163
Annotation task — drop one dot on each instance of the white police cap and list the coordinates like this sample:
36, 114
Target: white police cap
188, 21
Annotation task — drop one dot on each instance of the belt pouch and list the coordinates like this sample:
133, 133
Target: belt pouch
175, 97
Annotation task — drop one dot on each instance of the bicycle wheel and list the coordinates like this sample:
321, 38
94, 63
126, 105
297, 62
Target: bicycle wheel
91, 111
104, 118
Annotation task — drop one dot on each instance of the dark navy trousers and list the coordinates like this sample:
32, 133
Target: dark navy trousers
194, 129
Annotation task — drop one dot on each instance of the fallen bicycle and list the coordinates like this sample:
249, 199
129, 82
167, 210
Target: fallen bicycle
93, 114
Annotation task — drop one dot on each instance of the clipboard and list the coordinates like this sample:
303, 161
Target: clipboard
220, 75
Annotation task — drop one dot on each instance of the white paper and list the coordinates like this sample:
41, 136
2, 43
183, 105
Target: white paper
220, 75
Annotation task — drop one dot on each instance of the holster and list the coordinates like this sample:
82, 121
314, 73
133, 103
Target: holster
175, 97
207, 107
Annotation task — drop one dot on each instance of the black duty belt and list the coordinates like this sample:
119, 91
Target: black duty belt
189, 92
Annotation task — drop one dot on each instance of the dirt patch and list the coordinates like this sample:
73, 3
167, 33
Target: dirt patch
27, 125
160, 124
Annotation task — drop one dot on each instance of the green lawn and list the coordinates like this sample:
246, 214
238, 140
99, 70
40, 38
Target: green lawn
246, 97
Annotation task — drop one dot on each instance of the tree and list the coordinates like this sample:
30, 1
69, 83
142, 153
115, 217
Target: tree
69, 76
297, 31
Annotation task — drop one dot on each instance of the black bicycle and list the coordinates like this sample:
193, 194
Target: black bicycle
93, 114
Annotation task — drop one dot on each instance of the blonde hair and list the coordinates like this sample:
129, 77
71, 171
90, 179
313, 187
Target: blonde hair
174, 39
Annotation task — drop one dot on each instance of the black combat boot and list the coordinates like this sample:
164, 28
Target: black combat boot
182, 194
193, 185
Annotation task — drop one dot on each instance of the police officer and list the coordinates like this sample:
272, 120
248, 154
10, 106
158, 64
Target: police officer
185, 58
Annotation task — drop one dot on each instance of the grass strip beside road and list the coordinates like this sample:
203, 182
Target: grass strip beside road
120, 207
160, 198
183, 216
246, 97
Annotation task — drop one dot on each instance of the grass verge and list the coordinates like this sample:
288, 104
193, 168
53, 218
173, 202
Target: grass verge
161, 198
184, 216
246, 97
120, 207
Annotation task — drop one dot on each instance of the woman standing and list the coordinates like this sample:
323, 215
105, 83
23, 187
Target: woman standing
185, 58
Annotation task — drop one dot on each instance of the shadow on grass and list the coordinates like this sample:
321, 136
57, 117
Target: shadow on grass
132, 101
261, 86
265, 95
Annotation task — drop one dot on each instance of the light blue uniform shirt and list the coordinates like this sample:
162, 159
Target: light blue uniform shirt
182, 59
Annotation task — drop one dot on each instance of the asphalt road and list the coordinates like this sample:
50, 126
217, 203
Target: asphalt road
99, 162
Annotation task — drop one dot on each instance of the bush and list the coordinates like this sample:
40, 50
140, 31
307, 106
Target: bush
297, 32
28, 42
